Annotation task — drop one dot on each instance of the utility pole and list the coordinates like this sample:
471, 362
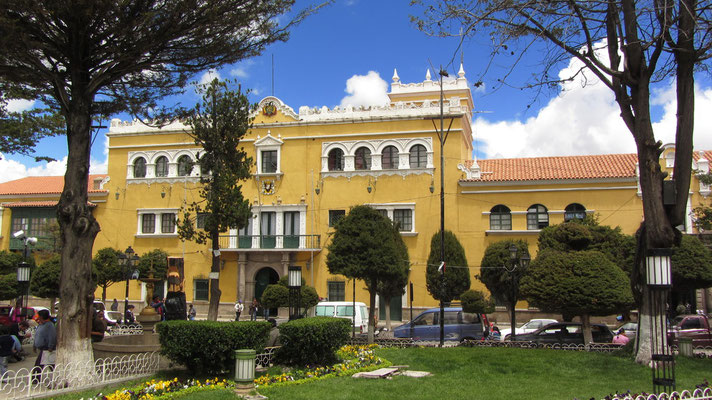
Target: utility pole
442, 73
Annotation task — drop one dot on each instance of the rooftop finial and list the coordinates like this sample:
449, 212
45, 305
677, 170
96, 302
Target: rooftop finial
396, 78
461, 72
427, 74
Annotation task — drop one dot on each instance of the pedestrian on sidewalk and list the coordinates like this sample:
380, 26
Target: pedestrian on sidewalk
238, 309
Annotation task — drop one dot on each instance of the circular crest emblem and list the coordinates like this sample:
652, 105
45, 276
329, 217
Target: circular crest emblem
267, 187
269, 109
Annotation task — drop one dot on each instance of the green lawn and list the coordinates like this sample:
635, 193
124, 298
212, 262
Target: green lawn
497, 373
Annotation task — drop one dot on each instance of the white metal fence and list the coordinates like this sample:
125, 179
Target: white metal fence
26, 383
697, 394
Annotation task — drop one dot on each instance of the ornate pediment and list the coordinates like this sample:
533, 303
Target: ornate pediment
270, 109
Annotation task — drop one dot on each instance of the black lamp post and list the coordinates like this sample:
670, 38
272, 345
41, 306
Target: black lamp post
521, 263
658, 278
24, 268
294, 282
127, 261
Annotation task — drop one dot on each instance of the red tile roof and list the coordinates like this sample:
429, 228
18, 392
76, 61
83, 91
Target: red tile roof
554, 168
49, 203
43, 185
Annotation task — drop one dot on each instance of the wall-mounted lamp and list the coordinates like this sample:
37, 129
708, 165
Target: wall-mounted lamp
371, 185
317, 188
163, 191
116, 194
432, 185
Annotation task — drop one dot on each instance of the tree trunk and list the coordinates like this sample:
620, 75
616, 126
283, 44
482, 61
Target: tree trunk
215, 292
586, 326
371, 312
387, 301
103, 293
78, 231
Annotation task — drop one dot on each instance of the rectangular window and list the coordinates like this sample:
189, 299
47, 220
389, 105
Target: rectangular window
335, 216
201, 289
269, 161
291, 230
20, 224
336, 291
200, 220
148, 223
404, 219
383, 212
168, 223
500, 222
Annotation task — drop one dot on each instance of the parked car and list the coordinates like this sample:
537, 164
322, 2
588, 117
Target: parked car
5, 315
630, 329
567, 333
345, 309
530, 326
458, 325
693, 326
113, 317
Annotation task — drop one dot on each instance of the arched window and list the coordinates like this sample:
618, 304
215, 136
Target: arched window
574, 211
162, 166
500, 218
185, 165
139, 168
363, 158
418, 156
537, 217
336, 160
389, 158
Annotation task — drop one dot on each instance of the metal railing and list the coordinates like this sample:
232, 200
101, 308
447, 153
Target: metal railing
123, 329
697, 394
51, 380
270, 242
266, 359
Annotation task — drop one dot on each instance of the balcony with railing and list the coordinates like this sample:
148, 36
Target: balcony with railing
43, 243
270, 242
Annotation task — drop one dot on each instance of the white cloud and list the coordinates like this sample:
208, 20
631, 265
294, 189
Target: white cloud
366, 90
13, 170
585, 119
208, 77
239, 72
19, 105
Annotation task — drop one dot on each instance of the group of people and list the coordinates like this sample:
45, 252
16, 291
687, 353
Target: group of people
254, 306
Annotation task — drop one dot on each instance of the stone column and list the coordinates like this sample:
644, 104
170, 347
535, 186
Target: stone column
241, 266
285, 263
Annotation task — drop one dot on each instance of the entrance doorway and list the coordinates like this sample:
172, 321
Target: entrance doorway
396, 309
265, 276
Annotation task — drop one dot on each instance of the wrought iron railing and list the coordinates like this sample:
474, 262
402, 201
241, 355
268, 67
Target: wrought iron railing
697, 394
43, 243
270, 241
265, 359
51, 380
125, 329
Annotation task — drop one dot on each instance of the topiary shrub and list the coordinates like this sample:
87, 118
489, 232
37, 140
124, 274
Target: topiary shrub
312, 341
208, 346
474, 301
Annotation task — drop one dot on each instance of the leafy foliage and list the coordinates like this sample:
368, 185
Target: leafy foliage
312, 341
19, 131
9, 288
457, 274
493, 273
474, 301
691, 264
45, 278
9, 261
364, 246
576, 283
702, 218
155, 260
208, 347
107, 270
275, 296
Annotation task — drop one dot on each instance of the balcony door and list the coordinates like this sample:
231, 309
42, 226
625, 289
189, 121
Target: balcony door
291, 230
268, 229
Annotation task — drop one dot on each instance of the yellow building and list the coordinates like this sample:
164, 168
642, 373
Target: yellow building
311, 166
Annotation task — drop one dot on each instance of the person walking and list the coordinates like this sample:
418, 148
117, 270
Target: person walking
253, 309
238, 309
130, 318
45, 340
115, 305
621, 338
191, 313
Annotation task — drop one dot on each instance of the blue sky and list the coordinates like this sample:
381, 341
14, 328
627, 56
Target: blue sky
347, 53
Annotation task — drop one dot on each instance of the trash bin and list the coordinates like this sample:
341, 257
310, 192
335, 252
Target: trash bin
684, 347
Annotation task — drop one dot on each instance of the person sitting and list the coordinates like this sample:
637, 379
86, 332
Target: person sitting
7, 349
495, 334
98, 327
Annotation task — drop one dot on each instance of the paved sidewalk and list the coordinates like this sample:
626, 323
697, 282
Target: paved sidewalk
28, 362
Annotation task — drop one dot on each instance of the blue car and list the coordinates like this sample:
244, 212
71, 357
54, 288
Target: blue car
458, 325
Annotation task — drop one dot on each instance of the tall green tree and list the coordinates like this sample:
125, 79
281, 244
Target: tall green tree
107, 270
277, 295
218, 125
154, 262
691, 265
84, 58
45, 279
395, 287
9, 287
494, 274
457, 274
364, 247
582, 283
628, 46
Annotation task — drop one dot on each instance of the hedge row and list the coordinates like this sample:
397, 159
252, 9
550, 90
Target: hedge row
208, 346
312, 341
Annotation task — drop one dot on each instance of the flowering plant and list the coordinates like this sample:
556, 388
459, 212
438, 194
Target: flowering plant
160, 390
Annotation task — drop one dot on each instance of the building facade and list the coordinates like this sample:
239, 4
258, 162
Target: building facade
311, 166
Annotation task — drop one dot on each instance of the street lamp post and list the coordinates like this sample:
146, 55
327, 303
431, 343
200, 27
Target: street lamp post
294, 282
128, 260
24, 268
515, 262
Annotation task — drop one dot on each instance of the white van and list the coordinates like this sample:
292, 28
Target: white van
345, 309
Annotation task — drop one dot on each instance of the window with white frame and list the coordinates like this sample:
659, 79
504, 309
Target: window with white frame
185, 165
500, 218
537, 217
418, 156
336, 160
269, 161
268, 150
139, 168
402, 214
158, 222
389, 158
574, 211
362, 160
162, 166
201, 289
